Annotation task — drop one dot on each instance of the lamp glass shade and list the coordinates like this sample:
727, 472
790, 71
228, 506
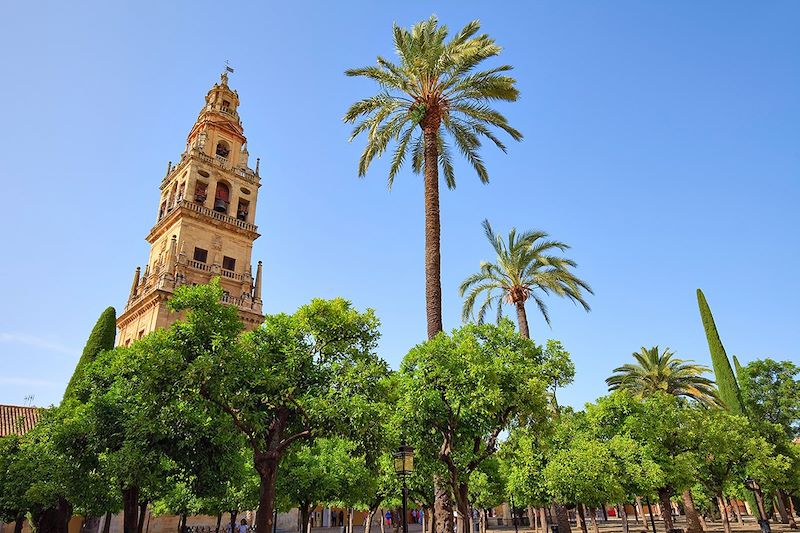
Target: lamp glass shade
404, 460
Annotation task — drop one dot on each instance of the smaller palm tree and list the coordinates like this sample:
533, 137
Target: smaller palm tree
662, 371
524, 269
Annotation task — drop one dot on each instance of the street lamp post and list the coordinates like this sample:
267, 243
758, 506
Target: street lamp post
403, 467
763, 522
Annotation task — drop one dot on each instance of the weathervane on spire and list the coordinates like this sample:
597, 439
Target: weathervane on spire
224, 75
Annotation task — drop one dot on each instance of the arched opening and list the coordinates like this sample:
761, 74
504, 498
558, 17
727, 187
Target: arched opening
243, 210
222, 198
223, 149
200, 192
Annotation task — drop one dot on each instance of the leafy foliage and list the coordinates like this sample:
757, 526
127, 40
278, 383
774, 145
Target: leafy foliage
458, 393
771, 392
434, 86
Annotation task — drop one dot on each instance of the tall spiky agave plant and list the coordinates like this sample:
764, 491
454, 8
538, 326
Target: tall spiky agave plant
431, 99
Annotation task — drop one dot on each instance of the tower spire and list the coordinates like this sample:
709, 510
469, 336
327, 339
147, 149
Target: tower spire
135, 284
257, 288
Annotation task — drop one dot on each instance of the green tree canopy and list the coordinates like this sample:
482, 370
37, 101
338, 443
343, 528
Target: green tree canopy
298, 377
459, 392
771, 392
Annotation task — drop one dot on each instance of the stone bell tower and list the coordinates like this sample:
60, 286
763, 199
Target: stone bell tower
205, 225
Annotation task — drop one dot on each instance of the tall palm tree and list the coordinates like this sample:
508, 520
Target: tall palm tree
432, 97
662, 371
524, 269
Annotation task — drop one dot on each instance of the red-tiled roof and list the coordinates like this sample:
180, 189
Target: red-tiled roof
15, 419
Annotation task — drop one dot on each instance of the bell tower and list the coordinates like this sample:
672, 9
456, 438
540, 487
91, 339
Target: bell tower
205, 225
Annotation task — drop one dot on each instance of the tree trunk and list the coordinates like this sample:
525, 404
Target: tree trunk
724, 512
219, 522
593, 517
471, 522
781, 508
693, 524
142, 512
789, 507
532, 519
130, 508
522, 320
107, 523
349, 520
433, 284
605, 513
305, 518
383, 521
543, 519
19, 523
561, 517
580, 517
267, 467
183, 523
233, 520
666, 507
734, 505
53, 519
623, 515
442, 507
368, 521
639, 510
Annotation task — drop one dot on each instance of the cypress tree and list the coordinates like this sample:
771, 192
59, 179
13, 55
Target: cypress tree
100, 339
737, 368
723, 373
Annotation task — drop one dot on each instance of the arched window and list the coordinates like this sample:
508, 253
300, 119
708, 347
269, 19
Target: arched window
221, 198
223, 149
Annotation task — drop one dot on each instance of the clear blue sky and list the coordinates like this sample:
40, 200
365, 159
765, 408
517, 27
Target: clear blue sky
662, 141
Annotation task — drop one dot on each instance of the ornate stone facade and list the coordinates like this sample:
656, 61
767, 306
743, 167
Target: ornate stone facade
205, 225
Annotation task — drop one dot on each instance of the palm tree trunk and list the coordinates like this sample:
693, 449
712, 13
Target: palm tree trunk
522, 319
433, 282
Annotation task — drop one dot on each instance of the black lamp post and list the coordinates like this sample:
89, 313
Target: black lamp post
763, 522
404, 467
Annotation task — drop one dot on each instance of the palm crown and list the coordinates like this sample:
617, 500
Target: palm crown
433, 86
662, 371
525, 268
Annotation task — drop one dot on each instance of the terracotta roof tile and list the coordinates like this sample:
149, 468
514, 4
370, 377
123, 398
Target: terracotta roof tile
16, 419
